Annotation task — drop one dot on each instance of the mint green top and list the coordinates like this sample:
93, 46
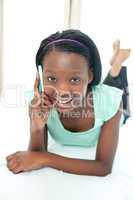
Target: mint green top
106, 101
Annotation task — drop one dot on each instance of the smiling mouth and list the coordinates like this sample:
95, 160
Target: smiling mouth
65, 104
64, 101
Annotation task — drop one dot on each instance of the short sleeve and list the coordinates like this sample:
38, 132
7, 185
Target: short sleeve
111, 98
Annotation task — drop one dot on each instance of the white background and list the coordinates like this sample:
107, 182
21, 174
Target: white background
26, 23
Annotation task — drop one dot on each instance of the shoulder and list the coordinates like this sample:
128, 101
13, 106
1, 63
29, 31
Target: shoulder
108, 100
105, 90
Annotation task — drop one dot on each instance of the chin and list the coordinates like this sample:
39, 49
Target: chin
64, 110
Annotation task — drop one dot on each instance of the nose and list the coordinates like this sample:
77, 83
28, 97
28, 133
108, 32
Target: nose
64, 95
63, 90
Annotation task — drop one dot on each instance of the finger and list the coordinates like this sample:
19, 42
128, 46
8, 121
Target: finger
13, 165
9, 164
18, 169
44, 103
50, 91
12, 160
46, 96
8, 158
46, 107
35, 102
51, 99
46, 100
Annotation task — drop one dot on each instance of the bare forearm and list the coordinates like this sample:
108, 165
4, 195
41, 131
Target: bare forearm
77, 166
38, 140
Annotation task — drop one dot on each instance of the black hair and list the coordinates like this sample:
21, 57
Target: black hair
90, 52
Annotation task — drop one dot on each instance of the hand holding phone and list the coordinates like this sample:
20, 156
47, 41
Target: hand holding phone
41, 104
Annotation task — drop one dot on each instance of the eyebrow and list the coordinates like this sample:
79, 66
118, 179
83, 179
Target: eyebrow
73, 72
49, 71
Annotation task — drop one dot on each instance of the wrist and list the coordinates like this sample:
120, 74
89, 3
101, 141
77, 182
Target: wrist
36, 130
45, 159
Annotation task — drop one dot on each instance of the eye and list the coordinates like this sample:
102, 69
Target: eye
51, 78
75, 80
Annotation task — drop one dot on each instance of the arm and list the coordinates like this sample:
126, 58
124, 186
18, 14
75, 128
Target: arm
102, 165
38, 139
38, 126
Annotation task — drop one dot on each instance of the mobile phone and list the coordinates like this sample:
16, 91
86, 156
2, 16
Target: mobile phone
41, 87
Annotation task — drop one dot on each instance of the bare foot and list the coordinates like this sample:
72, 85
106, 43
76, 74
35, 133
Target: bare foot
120, 55
116, 47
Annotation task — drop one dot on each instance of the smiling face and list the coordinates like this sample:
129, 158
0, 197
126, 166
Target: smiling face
68, 73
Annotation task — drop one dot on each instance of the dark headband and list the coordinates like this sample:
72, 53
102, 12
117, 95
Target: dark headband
66, 39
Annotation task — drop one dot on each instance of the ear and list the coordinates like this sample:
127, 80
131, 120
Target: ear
90, 75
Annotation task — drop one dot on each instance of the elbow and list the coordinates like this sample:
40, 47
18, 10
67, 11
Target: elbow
103, 169
106, 170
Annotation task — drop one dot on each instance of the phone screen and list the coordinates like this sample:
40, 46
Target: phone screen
40, 87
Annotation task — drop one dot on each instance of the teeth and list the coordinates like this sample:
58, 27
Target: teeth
64, 101
60, 101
